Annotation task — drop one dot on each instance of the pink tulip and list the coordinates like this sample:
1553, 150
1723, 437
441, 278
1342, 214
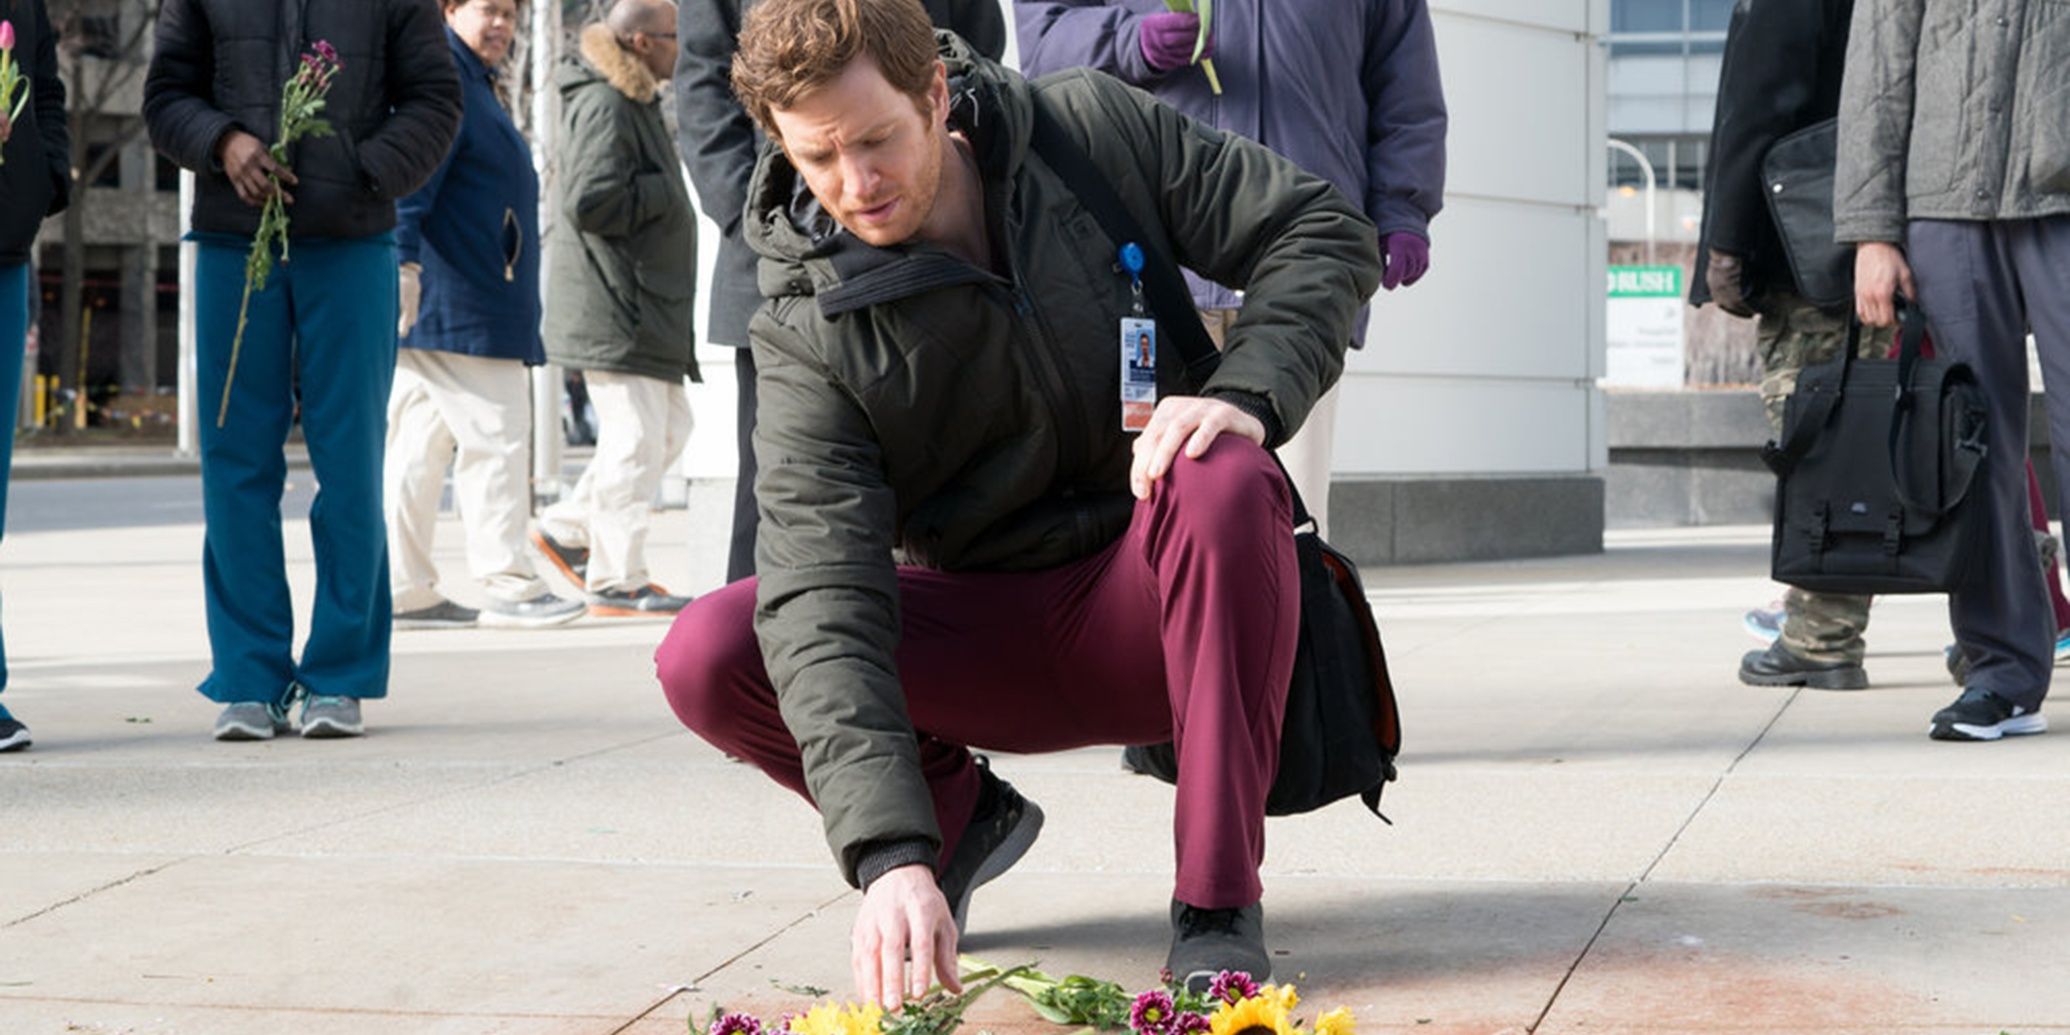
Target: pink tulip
6, 35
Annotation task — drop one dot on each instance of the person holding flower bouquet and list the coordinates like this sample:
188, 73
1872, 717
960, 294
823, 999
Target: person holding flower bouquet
1348, 89
35, 183
966, 538
303, 122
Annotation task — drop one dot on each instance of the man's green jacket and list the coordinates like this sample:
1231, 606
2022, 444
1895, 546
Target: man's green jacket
919, 407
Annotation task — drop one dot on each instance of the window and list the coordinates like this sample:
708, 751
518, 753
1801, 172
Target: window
1710, 15
1646, 16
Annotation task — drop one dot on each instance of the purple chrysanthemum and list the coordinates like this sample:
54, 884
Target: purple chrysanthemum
737, 1024
1152, 1013
329, 53
1190, 1023
1164, 976
1232, 986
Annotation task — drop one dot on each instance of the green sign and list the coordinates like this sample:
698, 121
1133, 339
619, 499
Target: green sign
1645, 282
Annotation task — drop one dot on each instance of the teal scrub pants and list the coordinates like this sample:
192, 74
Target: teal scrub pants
14, 331
322, 334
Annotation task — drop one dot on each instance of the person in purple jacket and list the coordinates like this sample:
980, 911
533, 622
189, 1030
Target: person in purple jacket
1347, 89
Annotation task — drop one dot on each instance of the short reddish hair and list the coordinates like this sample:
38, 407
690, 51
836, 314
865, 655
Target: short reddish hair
789, 48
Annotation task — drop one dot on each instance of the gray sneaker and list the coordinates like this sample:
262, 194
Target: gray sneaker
539, 612
325, 718
251, 720
443, 615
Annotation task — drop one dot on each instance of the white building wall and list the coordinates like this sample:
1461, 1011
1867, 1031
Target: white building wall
1488, 366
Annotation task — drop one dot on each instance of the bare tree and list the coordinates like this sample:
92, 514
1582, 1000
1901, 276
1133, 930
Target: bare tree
104, 46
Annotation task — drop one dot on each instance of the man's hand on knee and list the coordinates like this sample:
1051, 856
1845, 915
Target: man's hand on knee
903, 915
1187, 422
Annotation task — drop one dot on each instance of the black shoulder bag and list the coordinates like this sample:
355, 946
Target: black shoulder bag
1341, 731
1798, 170
1877, 465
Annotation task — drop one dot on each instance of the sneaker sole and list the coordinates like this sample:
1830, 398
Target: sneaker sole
554, 558
1834, 679
433, 624
324, 729
16, 742
496, 620
1018, 841
240, 731
2018, 726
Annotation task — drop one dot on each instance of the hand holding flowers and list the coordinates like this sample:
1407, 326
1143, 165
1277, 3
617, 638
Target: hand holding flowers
14, 87
258, 172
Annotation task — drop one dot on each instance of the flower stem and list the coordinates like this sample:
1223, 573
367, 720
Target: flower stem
236, 345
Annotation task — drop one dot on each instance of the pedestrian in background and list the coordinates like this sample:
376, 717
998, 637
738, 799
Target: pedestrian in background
35, 182
1347, 89
469, 245
1954, 185
718, 142
1781, 74
624, 268
321, 337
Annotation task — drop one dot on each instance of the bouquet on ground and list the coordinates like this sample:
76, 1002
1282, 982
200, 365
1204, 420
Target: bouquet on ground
301, 110
14, 86
1233, 1005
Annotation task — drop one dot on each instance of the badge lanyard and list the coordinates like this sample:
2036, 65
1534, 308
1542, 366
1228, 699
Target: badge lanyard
1138, 348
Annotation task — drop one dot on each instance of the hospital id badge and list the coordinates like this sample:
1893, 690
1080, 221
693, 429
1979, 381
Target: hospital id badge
1138, 372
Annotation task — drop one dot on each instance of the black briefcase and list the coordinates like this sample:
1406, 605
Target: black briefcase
1879, 469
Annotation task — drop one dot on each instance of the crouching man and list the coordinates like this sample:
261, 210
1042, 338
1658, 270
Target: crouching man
963, 542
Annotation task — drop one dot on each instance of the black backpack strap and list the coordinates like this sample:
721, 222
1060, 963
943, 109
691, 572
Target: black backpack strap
1164, 289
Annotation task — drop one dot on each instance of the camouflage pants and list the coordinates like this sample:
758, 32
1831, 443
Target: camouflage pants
1793, 334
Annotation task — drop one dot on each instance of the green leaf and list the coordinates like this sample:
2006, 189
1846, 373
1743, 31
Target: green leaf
1207, 18
1181, 6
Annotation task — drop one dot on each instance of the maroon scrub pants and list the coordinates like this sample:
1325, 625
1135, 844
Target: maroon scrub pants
1183, 629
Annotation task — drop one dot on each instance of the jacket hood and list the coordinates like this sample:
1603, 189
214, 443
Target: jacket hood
603, 59
805, 252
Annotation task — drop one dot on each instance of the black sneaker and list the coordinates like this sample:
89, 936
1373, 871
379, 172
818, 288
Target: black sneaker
573, 561
647, 600
1779, 666
1206, 942
1980, 714
443, 615
13, 735
1003, 825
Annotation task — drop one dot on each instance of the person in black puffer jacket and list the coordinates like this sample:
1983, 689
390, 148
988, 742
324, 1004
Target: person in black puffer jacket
35, 183
321, 337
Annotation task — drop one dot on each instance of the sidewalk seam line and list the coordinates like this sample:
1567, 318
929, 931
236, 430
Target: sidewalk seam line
729, 961
1646, 874
84, 895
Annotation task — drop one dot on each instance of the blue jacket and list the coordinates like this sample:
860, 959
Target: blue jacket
1347, 89
475, 228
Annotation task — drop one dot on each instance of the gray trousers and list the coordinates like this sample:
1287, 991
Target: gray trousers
1984, 285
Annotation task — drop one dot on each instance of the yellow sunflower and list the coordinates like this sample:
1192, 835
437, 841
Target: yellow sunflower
1284, 993
1258, 1015
831, 1019
1336, 1022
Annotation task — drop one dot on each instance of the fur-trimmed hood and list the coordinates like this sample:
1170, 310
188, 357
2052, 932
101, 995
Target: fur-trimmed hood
615, 65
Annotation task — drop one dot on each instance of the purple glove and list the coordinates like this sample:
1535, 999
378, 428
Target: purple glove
1167, 39
1406, 257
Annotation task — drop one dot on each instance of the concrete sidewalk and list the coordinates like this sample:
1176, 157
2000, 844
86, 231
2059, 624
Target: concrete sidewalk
1597, 828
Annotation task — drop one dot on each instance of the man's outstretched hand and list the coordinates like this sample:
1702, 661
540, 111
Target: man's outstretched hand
903, 915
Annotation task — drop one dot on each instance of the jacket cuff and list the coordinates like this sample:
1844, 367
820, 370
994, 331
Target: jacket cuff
1869, 230
882, 857
1257, 406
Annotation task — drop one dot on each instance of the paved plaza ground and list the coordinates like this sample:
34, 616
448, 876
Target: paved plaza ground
1597, 829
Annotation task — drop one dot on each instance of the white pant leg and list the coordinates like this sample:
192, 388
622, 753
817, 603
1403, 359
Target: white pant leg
487, 405
1307, 458
413, 473
642, 424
